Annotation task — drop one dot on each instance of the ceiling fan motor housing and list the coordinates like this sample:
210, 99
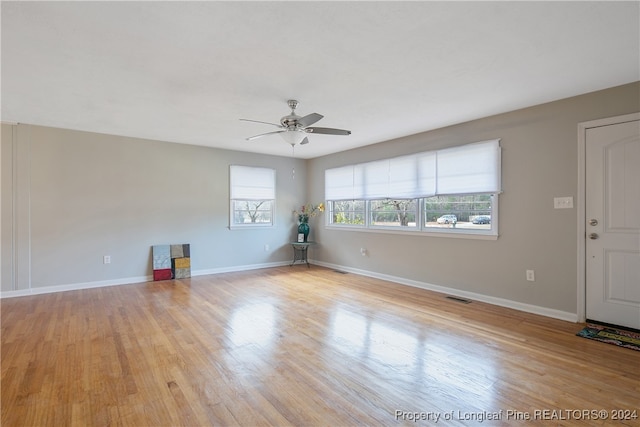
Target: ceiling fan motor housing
291, 121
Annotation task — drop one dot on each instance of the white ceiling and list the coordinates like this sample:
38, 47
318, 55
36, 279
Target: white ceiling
186, 72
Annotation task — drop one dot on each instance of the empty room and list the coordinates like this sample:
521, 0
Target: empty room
219, 213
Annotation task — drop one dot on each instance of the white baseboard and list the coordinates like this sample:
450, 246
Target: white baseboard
238, 268
502, 302
529, 308
75, 286
130, 280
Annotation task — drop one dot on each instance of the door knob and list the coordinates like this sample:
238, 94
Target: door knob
593, 236
593, 222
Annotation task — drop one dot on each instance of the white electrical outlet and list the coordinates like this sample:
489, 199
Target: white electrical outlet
531, 276
563, 202
106, 259
266, 247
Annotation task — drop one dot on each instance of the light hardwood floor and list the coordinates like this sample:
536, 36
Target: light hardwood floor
297, 346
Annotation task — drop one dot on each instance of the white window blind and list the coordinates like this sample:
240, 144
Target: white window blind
375, 184
403, 177
467, 169
427, 173
470, 169
344, 183
252, 183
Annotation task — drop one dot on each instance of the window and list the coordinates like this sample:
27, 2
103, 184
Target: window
393, 213
347, 212
453, 191
470, 212
252, 196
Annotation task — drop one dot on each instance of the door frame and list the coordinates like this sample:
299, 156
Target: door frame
581, 204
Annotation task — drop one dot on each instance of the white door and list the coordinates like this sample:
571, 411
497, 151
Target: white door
613, 224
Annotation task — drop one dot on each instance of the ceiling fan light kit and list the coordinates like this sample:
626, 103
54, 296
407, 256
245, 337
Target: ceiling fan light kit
293, 128
294, 137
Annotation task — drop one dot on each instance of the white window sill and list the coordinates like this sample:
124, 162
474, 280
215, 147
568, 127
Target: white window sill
253, 226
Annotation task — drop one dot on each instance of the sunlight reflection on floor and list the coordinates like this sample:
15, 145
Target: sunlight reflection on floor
422, 360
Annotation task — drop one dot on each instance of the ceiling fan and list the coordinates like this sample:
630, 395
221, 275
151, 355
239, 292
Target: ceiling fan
294, 128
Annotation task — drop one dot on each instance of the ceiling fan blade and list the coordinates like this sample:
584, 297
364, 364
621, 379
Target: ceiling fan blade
304, 141
258, 121
265, 134
328, 131
309, 119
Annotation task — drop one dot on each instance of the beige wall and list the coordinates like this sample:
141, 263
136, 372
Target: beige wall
70, 197
539, 162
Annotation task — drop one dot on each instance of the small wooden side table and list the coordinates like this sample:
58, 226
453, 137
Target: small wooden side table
300, 250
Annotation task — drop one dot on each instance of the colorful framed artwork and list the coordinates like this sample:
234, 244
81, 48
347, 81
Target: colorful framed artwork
171, 262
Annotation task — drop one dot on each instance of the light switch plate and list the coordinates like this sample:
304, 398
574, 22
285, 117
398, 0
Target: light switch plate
563, 202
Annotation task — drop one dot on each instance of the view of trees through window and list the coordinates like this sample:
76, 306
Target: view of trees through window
347, 212
252, 211
471, 212
393, 212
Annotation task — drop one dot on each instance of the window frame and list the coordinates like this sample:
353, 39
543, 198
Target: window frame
420, 229
471, 169
242, 173
369, 209
233, 211
330, 215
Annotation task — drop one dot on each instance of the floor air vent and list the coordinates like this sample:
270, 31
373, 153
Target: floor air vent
339, 272
462, 300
